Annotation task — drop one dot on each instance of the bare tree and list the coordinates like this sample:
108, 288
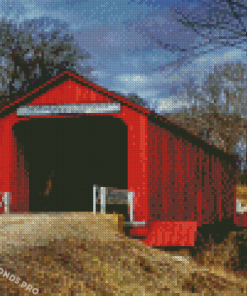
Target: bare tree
137, 99
217, 108
217, 24
231, 79
134, 98
33, 52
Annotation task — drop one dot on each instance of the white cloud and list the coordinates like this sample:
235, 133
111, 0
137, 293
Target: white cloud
148, 94
220, 57
132, 79
100, 74
170, 104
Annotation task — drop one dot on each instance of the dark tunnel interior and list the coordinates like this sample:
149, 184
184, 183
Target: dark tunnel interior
80, 152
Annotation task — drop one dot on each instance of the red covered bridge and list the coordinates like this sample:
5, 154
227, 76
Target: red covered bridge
80, 134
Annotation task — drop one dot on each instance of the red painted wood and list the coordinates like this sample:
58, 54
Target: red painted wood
174, 180
171, 234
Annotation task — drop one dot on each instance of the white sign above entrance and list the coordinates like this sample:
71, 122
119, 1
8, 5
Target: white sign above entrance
69, 109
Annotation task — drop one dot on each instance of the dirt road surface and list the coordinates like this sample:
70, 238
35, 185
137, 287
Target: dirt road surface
85, 254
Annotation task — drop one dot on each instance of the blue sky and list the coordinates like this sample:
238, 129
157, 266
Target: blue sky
123, 57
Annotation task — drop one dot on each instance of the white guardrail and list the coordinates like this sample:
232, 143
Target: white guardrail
108, 195
239, 208
6, 201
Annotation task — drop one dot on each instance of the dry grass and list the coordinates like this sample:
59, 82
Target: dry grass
83, 254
